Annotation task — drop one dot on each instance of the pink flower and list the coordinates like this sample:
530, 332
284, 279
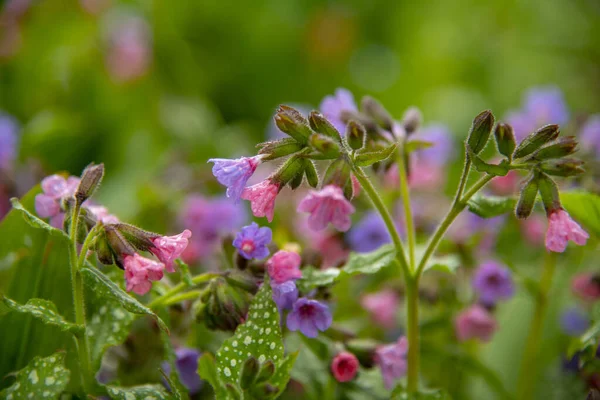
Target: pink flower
55, 188
586, 286
325, 206
103, 215
391, 358
168, 248
533, 229
561, 229
344, 366
284, 266
262, 198
475, 322
140, 271
382, 306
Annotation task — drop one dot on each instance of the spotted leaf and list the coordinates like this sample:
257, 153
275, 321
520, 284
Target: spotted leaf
142, 392
43, 310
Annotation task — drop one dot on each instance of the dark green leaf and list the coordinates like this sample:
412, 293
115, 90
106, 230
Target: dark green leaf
43, 310
369, 263
207, 370
35, 222
367, 158
42, 378
490, 206
282, 374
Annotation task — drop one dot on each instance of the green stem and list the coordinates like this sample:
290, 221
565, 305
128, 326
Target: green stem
79, 304
192, 294
386, 216
463, 180
408, 215
530, 355
86, 245
412, 333
455, 210
198, 279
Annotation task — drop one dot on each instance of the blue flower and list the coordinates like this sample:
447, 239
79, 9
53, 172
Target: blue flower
493, 282
252, 241
309, 317
234, 173
284, 294
368, 234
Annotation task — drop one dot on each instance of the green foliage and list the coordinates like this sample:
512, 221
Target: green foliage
107, 289
177, 388
35, 222
364, 159
42, 378
207, 369
492, 169
584, 207
399, 393
142, 392
447, 263
490, 206
43, 310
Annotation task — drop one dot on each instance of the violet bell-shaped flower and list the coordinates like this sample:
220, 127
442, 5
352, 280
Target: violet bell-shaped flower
309, 317
334, 106
391, 359
252, 241
234, 174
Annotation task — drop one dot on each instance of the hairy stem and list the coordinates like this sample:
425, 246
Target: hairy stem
198, 279
79, 303
463, 180
408, 215
529, 364
87, 244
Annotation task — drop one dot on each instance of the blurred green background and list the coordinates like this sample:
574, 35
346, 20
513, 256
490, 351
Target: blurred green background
143, 85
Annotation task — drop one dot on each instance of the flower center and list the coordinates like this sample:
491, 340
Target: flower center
307, 311
493, 280
248, 246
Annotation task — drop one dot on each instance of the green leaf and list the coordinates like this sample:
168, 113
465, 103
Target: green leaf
142, 392
367, 158
43, 310
283, 372
492, 169
584, 207
414, 145
490, 206
399, 393
448, 263
42, 378
35, 222
105, 288
108, 326
207, 370
179, 391
313, 277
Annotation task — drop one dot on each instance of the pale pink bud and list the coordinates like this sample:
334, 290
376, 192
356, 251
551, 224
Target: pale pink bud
284, 266
561, 229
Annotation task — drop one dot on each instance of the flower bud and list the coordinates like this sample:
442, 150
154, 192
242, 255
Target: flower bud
377, 112
355, 135
320, 124
536, 140
290, 121
312, 177
266, 371
278, 148
103, 250
293, 167
265, 391
225, 307
138, 238
480, 131
559, 148
563, 167
249, 372
233, 392
527, 198
118, 243
324, 145
90, 180
242, 280
549, 192
505, 140
412, 120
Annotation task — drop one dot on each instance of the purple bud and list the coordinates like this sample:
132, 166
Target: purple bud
493, 282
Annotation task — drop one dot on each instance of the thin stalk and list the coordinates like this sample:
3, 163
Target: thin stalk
456, 209
86, 245
386, 216
463, 179
192, 294
532, 347
198, 279
79, 303
412, 332
408, 215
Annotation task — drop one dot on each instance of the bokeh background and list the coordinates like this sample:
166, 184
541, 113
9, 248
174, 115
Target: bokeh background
155, 88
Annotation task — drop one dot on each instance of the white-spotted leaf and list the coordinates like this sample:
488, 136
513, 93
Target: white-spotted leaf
142, 392
44, 310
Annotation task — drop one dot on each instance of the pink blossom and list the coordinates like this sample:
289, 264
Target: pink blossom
383, 307
101, 213
262, 198
561, 229
140, 271
169, 248
325, 206
475, 322
55, 189
284, 266
586, 286
344, 366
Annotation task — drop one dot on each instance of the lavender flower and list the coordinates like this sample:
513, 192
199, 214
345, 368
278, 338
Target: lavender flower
284, 294
590, 134
252, 241
493, 282
186, 364
368, 234
8, 141
574, 321
391, 359
234, 173
442, 149
309, 317
334, 106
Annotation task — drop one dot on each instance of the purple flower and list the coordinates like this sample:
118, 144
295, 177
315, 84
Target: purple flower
442, 149
252, 241
284, 294
309, 317
334, 106
493, 282
574, 321
368, 234
186, 364
590, 134
546, 105
234, 173
391, 359
8, 141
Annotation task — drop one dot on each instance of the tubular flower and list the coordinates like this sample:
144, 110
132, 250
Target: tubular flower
475, 322
284, 266
309, 317
140, 272
284, 294
325, 206
344, 366
262, 198
55, 189
234, 173
391, 359
168, 248
252, 241
382, 306
561, 229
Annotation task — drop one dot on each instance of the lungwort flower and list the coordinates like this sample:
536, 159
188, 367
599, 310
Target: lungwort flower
391, 359
252, 241
334, 106
49, 203
262, 198
168, 248
309, 317
140, 272
234, 174
327, 206
561, 229
492, 282
475, 322
284, 266
344, 366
